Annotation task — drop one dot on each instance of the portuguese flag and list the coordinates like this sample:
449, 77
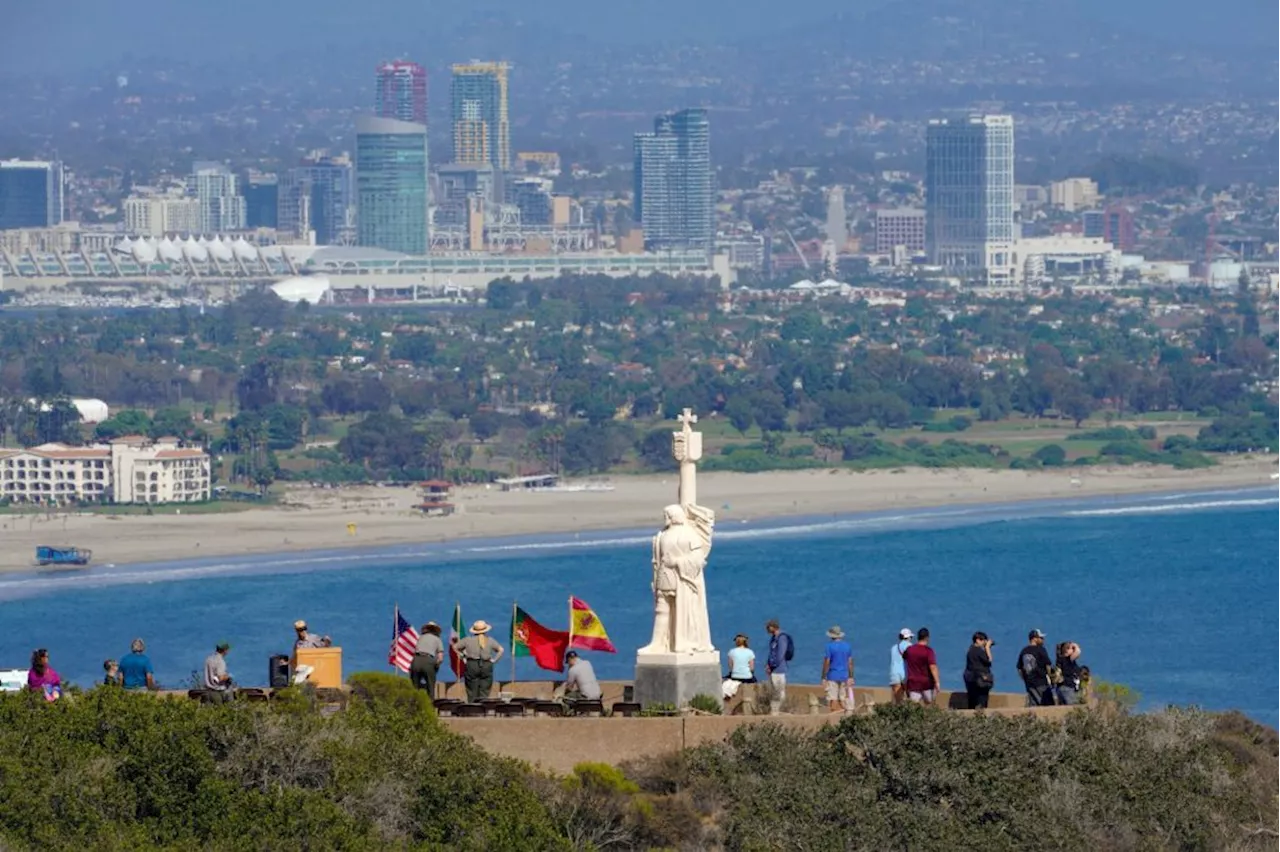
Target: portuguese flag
587, 631
531, 639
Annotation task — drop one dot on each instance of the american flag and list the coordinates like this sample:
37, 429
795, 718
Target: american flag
403, 643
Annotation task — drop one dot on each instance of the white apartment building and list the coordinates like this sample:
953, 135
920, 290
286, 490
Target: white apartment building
222, 207
158, 215
1074, 194
129, 470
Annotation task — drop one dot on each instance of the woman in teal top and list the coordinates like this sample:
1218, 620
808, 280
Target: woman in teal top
742, 661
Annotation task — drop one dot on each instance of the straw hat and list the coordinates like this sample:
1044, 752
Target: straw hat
835, 632
481, 626
299, 625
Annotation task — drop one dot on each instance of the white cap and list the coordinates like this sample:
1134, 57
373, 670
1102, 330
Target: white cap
905, 633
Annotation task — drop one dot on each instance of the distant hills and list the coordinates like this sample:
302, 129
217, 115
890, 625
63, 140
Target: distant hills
88, 33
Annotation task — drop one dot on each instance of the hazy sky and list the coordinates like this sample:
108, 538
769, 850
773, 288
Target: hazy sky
72, 34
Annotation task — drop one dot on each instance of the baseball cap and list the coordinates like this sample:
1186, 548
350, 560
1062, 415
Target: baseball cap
222, 646
1036, 634
299, 625
905, 633
572, 655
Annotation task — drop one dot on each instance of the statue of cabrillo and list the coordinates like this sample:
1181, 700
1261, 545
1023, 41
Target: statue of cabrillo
680, 551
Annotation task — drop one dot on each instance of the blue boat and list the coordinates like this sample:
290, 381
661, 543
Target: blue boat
46, 555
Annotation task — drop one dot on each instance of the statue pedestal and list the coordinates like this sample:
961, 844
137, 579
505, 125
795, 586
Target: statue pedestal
675, 678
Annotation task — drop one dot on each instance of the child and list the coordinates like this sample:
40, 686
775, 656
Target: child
112, 677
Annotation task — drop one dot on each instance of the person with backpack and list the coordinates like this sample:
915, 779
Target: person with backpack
781, 651
1034, 667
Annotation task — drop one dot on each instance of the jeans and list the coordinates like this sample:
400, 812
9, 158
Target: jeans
422, 671
1068, 695
216, 696
1040, 696
779, 683
978, 695
479, 679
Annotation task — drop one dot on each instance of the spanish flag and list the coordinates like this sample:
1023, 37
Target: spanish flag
585, 629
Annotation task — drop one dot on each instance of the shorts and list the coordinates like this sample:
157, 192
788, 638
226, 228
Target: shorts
833, 688
927, 696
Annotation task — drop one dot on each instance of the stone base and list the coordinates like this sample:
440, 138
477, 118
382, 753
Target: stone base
675, 678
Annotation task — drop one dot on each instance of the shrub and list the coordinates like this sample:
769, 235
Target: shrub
706, 704
1050, 455
1147, 433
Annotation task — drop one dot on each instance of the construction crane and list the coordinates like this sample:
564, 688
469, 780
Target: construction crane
804, 260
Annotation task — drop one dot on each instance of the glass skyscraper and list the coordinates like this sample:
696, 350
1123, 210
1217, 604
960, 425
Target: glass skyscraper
481, 128
391, 185
969, 226
674, 184
30, 194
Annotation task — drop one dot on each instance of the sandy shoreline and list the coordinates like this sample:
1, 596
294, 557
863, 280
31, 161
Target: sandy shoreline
313, 519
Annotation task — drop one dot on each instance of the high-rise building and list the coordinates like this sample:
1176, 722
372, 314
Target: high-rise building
969, 198
30, 194
1074, 194
674, 187
317, 196
481, 128
401, 91
902, 226
391, 185
222, 207
532, 197
261, 200
161, 215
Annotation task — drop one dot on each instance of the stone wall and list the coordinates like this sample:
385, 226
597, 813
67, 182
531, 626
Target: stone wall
557, 745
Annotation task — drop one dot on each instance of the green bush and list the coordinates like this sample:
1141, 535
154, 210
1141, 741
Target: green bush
1050, 455
706, 704
907, 777
1110, 433
111, 769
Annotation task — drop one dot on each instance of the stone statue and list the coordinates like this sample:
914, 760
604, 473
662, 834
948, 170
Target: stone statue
680, 551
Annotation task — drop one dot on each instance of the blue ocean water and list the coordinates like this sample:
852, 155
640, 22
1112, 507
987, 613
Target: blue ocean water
1174, 594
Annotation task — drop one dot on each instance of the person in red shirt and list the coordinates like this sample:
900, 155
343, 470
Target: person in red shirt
921, 662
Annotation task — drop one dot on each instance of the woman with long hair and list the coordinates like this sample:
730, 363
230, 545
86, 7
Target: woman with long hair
42, 677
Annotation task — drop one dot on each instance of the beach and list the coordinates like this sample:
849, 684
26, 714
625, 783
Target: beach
310, 518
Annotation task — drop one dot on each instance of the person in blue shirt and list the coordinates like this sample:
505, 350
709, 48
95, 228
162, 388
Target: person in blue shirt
837, 669
742, 660
898, 666
135, 668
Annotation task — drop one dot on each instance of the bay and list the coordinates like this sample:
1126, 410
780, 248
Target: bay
1173, 595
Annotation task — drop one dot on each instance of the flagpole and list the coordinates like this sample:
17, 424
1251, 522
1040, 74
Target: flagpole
456, 627
511, 686
570, 621
395, 633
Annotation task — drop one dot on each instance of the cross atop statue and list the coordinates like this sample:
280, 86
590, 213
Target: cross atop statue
686, 447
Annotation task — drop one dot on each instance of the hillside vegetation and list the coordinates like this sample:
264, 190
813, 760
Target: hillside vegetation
114, 770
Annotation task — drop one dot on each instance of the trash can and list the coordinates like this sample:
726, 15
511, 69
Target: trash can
278, 671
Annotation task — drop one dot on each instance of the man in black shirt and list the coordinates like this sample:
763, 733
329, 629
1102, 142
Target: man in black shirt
1033, 667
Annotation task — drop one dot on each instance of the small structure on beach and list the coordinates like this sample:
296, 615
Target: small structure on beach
436, 489
540, 482
436, 508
